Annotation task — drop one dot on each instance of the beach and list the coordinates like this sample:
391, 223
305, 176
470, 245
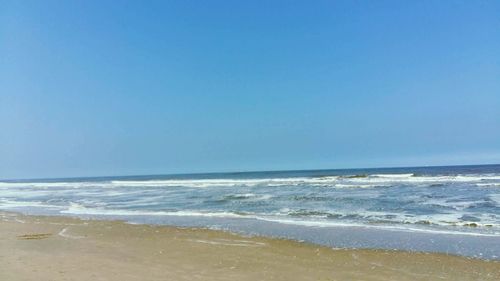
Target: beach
249, 140
448, 210
63, 248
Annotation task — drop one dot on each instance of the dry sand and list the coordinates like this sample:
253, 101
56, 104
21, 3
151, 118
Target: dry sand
58, 248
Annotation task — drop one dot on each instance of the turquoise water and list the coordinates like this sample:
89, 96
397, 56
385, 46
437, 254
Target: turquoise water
427, 202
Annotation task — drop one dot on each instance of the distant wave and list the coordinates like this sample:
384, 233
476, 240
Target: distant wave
346, 181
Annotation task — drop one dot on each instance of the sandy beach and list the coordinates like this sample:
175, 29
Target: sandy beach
60, 248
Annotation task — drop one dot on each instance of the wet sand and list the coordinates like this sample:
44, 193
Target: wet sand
60, 248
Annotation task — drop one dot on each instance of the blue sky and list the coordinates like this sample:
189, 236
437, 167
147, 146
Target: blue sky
153, 87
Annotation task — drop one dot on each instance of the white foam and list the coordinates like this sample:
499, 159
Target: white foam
397, 176
228, 242
491, 184
42, 185
312, 223
455, 204
203, 183
77, 209
340, 185
495, 198
9, 204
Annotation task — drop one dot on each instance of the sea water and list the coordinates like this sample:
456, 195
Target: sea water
440, 209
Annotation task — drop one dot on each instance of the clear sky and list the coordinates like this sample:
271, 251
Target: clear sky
91, 88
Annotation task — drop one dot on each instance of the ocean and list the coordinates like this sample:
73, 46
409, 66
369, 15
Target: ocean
453, 210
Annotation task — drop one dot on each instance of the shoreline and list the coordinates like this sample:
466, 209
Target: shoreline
61, 248
471, 245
